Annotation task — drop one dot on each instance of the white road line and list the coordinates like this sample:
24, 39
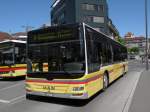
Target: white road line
11, 86
17, 98
4, 101
12, 100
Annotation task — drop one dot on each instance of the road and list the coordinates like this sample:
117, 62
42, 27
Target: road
116, 98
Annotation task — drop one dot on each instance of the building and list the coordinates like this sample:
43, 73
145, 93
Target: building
4, 36
135, 41
92, 12
19, 36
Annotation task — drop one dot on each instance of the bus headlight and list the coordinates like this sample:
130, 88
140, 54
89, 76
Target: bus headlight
78, 88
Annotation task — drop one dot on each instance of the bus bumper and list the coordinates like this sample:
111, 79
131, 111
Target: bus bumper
59, 95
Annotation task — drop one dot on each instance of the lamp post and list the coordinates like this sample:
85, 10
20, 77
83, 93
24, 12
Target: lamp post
146, 34
27, 28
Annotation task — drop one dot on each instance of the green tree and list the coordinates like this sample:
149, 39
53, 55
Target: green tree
134, 50
121, 40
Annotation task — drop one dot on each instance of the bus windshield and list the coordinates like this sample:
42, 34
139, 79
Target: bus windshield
12, 53
6, 56
62, 57
56, 50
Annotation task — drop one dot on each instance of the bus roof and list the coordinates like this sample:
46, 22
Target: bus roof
71, 25
13, 41
104, 35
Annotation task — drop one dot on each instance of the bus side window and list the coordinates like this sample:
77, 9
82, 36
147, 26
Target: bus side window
99, 50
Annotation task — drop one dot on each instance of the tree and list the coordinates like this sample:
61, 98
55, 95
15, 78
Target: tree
134, 50
121, 40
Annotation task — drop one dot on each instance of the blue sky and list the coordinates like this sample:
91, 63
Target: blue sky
127, 15
16, 13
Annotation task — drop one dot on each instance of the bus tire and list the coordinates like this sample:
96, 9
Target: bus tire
124, 72
28, 96
105, 81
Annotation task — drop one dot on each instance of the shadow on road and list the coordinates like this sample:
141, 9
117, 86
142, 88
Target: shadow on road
62, 101
13, 79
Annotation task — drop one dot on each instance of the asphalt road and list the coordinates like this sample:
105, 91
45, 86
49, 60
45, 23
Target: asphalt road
116, 98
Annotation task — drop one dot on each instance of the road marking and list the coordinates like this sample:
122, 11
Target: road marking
17, 98
12, 100
11, 86
4, 101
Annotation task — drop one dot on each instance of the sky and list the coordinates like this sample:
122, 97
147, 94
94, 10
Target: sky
127, 15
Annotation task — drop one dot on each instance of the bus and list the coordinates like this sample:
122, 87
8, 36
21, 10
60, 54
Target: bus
12, 59
72, 61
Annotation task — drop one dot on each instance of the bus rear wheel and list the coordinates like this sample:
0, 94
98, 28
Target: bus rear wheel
105, 81
28, 96
123, 72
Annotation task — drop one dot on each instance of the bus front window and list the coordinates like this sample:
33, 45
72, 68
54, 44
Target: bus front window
60, 57
7, 57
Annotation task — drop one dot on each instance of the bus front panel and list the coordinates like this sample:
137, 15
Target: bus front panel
56, 67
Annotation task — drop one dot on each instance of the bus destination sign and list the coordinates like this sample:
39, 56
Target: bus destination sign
52, 35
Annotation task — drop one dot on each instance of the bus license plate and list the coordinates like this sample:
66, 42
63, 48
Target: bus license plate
48, 94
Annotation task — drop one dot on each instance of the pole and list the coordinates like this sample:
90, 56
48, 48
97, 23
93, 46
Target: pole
146, 34
27, 28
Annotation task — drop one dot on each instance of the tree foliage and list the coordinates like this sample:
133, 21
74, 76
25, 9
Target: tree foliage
121, 41
133, 50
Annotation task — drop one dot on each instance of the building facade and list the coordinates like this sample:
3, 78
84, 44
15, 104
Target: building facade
135, 41
92, 12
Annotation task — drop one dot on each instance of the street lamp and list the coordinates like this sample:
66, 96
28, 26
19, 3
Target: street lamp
146, 34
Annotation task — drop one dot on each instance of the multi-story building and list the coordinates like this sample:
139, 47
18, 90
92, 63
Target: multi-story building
133, 41
92, 12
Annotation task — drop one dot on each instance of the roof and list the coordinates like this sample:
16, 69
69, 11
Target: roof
20, 35
15, 41
135, 39
4, 36
129, 35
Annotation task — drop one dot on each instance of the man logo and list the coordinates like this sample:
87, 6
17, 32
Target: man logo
49, 87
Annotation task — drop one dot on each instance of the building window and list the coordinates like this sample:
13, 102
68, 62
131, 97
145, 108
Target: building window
92, 7
58, 10
94, 19
98, 19
62, 16
87, 7
101, 8
60, 19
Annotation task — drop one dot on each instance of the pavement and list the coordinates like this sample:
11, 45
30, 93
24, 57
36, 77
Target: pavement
141, 98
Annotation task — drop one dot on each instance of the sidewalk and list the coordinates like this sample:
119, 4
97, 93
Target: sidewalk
141, 97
